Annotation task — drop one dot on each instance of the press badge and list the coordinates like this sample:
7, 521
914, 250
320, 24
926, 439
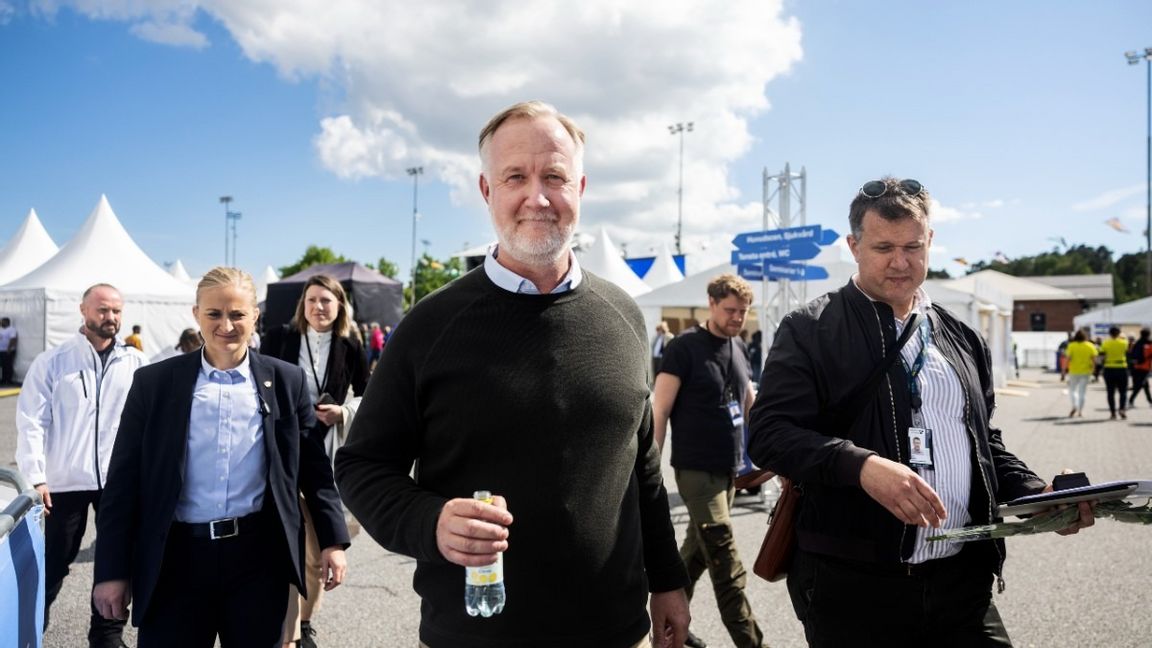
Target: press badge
920, 445
736, 412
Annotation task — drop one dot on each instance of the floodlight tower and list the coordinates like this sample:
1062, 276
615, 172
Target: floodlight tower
679, 128
1134, 58
415, 172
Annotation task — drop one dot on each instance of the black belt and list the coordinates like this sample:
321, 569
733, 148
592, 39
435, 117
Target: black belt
219, 529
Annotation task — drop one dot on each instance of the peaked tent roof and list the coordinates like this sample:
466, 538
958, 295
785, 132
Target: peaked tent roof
1133, 312
664, 270
350, 271
103, 252
1018, 288
604, 260
28, 248
179, 272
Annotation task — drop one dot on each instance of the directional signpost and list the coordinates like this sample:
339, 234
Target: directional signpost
773, 254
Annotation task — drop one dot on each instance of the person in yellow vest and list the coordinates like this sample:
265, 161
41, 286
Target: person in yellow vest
135, 339
1115, 352
1081, 355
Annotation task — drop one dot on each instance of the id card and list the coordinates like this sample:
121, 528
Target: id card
920, 444
736, 412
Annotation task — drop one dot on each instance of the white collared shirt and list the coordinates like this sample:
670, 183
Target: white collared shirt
513, 282
314, 349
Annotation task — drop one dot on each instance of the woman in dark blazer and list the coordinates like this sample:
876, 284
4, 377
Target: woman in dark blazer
319, 340
201, 519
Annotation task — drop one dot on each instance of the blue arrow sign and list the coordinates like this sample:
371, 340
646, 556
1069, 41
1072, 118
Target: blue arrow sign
750, 272
767, 239
794, 271
828, 237
800, 251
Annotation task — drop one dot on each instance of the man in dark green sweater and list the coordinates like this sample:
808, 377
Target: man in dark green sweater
527, 378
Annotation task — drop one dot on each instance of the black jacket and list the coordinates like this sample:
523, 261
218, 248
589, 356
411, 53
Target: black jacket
146, 474
347, 366
820, 355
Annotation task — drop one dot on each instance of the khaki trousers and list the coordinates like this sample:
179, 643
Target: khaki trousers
709, 545
300, 608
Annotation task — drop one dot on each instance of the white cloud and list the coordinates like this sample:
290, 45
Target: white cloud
420, 79
7, 12
175, 34
943, 214
1109, 198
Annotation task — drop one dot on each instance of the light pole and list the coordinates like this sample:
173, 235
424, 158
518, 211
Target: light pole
225, 200
678, 129
1134, 59
415, 172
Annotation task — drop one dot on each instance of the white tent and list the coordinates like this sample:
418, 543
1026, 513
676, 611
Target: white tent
269, 277
664, 270
30, 247
1133, 313
45, 304
604, 260
180, 273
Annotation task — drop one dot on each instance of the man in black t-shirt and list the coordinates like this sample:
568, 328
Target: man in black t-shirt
703, 388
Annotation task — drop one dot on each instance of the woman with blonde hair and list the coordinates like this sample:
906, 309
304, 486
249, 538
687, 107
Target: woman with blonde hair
320, 340
201, 522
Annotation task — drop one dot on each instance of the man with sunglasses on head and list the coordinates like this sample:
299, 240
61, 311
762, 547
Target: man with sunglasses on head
839, 406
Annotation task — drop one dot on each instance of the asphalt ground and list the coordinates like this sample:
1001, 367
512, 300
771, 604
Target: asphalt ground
1086, 590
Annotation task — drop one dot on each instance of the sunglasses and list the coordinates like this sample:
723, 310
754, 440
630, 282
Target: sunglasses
877, 188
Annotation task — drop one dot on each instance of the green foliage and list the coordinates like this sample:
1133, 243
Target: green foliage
386, 268
1128, 272
1079, 259
431, 274
314, 255
938, 274
1129, 280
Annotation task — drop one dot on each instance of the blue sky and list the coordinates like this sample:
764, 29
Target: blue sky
1022, 118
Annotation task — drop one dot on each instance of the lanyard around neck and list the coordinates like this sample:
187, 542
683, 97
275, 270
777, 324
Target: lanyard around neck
917, 365
315, 371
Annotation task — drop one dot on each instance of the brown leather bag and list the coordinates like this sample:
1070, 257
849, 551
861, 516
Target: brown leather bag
780, 541
779, 544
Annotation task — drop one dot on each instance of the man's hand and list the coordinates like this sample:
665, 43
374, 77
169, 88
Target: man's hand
111, 599
471, 533
46, 496
333, 566
330, 414
900, 490
670, 618
1087, 515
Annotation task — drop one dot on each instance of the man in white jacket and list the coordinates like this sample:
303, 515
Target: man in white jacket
66, 421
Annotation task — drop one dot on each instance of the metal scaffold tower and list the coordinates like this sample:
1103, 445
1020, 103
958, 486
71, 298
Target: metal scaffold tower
788, 191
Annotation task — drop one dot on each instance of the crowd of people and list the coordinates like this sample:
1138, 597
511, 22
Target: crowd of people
1124, 362
219, 474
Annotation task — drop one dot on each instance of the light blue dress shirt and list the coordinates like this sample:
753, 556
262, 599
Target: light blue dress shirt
225, 467
513, 282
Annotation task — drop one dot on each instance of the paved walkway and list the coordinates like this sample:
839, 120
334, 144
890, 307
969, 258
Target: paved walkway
1086, 590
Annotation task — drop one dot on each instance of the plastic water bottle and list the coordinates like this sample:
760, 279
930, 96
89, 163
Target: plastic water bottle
484, 586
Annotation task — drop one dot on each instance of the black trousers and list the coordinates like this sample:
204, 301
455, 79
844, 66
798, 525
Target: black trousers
945, 602
233, 588
63, 531
1116, 381
1139, 382
7, 359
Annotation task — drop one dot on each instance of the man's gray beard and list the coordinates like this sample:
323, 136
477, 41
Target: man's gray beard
537, 254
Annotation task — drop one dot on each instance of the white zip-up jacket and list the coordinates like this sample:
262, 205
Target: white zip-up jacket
68, 413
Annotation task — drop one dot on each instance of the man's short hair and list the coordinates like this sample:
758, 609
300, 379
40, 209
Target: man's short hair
4, 321
94, 287
894, 205
729, 284
528, 110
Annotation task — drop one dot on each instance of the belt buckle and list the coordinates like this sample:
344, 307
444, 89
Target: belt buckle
229, 532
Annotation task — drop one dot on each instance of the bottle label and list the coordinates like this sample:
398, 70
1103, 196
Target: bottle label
487, 575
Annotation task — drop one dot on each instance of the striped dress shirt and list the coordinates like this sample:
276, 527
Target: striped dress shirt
943, 412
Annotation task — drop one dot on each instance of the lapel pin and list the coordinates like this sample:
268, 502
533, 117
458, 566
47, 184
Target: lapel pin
267, 383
